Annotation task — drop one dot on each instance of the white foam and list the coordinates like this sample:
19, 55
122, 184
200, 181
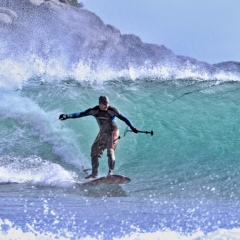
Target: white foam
9, 231
14, 73
34, 170
232, 234
33, 121
16, 233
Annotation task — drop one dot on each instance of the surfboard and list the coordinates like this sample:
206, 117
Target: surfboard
114, 179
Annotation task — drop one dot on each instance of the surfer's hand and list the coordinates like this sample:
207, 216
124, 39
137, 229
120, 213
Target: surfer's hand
63, 117
135, 130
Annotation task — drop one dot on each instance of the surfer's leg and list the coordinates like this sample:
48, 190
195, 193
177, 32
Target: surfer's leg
111, 161
96, 152
112, 145
95, 165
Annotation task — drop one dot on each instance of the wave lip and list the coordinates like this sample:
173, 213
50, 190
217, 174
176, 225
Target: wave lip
14, 75
53, 40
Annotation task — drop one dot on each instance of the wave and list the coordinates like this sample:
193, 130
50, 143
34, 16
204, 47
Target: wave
54, 41
34, 170
189, 168
15, 74
8, 230
28, 129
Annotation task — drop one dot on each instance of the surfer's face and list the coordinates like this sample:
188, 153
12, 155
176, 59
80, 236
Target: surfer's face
103, 107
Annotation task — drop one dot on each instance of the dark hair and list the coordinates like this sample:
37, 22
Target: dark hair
103, 99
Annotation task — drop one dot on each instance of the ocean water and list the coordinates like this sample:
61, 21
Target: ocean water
185, 178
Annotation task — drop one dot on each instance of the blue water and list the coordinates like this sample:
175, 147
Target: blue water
185, 178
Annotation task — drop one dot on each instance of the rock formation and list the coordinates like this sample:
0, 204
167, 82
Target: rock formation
57, 29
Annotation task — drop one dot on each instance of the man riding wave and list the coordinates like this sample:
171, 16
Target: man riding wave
108, 135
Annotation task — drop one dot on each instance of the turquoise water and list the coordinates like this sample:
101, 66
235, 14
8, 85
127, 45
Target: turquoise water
185, 178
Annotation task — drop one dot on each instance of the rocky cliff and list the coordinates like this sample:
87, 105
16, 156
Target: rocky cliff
56, 29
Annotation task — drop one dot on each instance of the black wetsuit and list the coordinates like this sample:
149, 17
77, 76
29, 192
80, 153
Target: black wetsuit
107, 137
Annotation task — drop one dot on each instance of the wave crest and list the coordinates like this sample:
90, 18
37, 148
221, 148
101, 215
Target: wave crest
14, 74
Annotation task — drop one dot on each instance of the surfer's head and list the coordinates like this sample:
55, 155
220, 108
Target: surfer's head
103, 100
103, 103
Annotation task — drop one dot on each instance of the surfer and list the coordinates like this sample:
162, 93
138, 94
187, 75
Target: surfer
108, 136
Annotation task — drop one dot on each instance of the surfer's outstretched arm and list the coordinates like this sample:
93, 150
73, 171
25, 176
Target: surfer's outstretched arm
85, 113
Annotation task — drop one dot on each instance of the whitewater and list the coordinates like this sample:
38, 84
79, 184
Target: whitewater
184, 179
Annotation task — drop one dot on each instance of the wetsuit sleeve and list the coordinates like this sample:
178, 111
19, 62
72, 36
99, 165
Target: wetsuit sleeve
120, 116
124, 119
77, 115
128, 122
88, 112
